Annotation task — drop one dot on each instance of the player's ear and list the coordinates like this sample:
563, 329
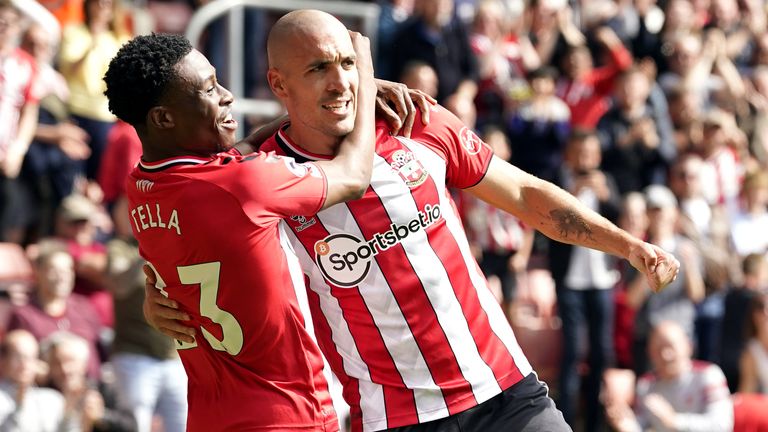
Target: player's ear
159, 117
276, 83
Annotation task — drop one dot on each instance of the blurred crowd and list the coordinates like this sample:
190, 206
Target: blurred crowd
654, 113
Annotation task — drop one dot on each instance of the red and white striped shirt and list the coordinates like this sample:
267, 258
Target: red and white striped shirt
400, 308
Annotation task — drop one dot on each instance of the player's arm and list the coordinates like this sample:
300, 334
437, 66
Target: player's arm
349, 173
162, 313
562, 217
395, 103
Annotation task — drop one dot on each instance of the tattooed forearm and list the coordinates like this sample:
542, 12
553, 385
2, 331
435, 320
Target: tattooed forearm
569, 222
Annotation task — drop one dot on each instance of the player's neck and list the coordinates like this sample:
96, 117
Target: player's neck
313, 141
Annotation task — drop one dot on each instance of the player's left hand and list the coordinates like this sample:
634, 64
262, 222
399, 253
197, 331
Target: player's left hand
397, 104
659, 267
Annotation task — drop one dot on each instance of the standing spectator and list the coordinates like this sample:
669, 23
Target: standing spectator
552, 29
685, 112
54, 307
505, 56
703, 67
539, 128
436, 36
587, 89
637, 143
583, 279
678, 394
150, 376
736, 317
722, 172
727, 17
393, 14
54, 159
18, 111
677, 301
86, 50
89, 405
630, 288
23, 406
749, 231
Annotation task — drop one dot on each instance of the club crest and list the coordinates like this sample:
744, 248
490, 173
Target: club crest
408, 168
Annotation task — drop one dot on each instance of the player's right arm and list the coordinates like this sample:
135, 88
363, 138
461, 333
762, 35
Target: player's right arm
349, 173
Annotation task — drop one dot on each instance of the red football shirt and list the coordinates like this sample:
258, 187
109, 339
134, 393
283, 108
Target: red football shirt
210, 229
400, 308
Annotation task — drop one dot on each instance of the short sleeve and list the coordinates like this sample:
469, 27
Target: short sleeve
467, 157
268, 184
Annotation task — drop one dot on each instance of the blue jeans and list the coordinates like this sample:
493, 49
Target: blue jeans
147, 385
593, 308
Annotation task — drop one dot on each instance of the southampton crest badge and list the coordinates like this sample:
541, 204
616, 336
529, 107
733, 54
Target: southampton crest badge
409, 168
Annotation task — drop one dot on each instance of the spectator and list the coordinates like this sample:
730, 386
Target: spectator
88, 406
583, 279
586, 89
630, 288
505, 56
150, 376
421, 76
685, 111
86, 50
539, 128
552, 29
754, 358
758, 102
393, 14
434, 35
722, 171
703, 67
122, 152
53, 161
23, 406
54, 307
635, 135
18, 111
736, 316
677, 301
76, 227
678, 394
739, 43
749, 231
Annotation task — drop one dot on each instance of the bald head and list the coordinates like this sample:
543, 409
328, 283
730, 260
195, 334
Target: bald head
303, 26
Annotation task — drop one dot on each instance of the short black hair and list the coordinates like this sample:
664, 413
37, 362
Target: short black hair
546, 72
139, 74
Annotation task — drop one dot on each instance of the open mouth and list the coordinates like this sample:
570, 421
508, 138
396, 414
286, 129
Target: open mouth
338, 107
229, 122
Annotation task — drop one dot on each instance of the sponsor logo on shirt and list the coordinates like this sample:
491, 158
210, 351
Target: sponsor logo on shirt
470, 141
303, 222
408, 167
345, 260
144, 185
